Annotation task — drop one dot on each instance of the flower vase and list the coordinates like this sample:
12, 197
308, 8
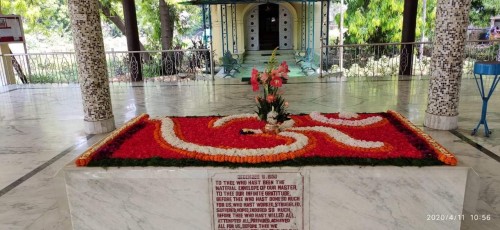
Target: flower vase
271, 128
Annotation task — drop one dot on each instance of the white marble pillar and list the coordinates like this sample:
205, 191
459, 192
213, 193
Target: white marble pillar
92, 72
446, 64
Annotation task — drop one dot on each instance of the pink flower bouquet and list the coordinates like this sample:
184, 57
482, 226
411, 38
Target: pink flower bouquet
271, 106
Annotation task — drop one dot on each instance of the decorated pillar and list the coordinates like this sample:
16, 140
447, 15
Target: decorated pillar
91, 60
446, 64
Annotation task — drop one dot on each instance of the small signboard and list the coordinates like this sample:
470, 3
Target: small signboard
11, 29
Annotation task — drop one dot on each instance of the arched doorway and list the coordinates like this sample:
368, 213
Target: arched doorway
269, 33
268, 26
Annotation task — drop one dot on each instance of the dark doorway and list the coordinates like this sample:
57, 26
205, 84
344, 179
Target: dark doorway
269, 26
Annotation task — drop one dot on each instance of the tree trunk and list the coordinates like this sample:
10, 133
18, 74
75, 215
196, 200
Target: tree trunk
166, 25
408, 35
170, 60
118, 22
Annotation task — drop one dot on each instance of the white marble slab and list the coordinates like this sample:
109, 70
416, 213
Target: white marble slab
387, 198
345, 197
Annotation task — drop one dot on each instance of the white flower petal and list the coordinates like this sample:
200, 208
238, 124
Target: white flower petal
221, 121
333, 121
168, 134
341, 137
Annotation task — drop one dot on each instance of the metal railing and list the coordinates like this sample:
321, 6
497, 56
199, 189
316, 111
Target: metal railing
365, 60
378, 60
156, 66
160, 66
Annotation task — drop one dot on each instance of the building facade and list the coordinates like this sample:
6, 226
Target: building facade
241, 26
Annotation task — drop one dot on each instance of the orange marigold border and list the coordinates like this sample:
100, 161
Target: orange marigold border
87, 156
443, 154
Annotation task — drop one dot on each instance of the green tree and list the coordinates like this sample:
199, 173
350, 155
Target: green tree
430, 18
151, 24
380, 21
482, 10
40, 16
374, 21
50, 17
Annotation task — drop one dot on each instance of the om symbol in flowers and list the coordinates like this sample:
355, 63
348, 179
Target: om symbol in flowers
314, 134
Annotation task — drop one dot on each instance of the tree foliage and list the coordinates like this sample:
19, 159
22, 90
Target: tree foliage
374, 21
368, 21
49, 17
187, 20
380, 21
40, 16
430, 18
482, 10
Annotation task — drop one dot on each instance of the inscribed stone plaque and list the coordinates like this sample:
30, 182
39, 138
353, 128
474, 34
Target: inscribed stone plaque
261, 201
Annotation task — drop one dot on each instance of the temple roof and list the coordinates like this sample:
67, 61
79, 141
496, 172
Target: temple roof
215, 2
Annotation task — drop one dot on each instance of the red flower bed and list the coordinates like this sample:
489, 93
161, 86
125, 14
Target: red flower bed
143, 139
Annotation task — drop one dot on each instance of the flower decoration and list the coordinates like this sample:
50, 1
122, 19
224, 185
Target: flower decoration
314, 139
271, 107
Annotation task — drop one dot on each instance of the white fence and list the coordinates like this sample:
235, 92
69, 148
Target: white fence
376, 60
366, 60
156, 66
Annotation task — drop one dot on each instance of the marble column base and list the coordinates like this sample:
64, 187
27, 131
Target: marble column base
98, 127
440, 122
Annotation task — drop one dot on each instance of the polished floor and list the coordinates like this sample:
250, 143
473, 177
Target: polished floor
41, 130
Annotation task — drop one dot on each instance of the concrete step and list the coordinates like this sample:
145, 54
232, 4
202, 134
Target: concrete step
268, 55
264, 61
261, 57
267, 59
259, 52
